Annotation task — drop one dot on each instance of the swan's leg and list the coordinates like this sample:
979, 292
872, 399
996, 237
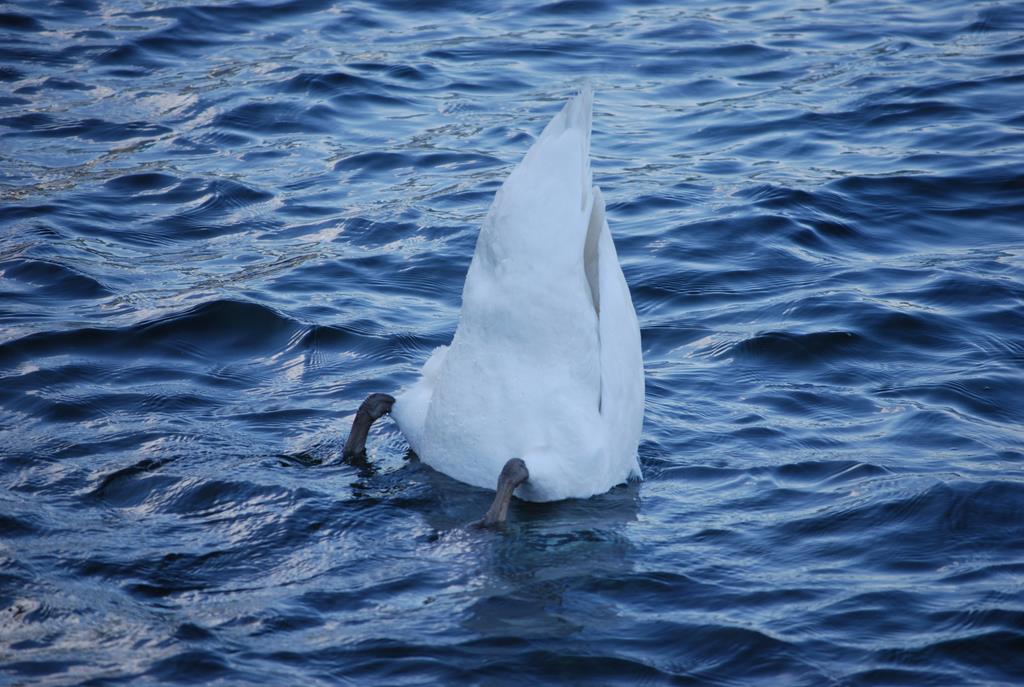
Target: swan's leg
371, 409
512, 475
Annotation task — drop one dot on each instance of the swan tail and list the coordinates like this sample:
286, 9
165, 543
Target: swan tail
539, 219
574, 119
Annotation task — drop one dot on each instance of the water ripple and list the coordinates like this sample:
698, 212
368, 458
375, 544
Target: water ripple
222, 225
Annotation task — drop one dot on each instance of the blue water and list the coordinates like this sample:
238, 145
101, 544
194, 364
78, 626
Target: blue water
223, 225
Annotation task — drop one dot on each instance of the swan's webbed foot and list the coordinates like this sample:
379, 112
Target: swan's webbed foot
374, 407
512, 475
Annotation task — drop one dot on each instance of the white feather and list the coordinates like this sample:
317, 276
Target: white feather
545, 364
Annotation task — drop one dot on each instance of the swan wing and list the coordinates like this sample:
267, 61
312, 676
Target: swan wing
622, 364
410, 408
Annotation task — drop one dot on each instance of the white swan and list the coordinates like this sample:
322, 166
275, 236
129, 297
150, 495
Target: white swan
545, 365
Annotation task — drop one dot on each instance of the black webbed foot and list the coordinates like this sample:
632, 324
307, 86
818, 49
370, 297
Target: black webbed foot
512, 475
373, 408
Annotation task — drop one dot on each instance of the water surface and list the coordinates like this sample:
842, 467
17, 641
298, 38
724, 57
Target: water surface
223, 225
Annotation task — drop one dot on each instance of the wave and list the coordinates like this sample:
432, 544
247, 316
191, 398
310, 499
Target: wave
222, 225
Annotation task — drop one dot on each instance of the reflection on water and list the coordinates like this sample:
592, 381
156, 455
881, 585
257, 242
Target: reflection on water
223, 225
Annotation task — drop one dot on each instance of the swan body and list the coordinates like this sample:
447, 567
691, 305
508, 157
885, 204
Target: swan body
545, 364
